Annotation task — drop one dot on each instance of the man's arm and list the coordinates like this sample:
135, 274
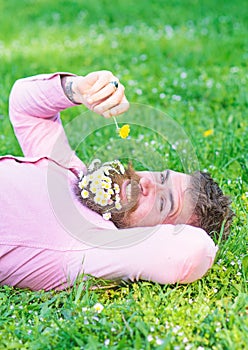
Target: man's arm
36, 102
164, 254
34, 108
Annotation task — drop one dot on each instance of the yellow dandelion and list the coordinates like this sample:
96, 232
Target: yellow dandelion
244, 198
124, 131
208, 132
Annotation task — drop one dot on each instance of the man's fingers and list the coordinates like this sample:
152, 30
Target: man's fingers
104, 78
115, 111
110, 102
102, 94
120, 108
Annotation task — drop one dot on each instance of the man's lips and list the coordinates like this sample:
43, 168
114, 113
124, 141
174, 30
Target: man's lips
124, 188
130, 191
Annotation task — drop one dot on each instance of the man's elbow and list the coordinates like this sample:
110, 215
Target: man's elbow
198, 259
191, 259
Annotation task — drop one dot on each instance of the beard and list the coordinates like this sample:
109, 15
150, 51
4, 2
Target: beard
128, 204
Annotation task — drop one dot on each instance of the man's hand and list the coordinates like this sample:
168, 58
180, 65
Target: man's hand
97, 92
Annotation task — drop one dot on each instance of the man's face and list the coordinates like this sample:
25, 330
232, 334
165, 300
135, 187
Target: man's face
162, 199
144, 198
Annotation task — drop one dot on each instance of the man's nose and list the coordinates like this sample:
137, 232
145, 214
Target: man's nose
147, 184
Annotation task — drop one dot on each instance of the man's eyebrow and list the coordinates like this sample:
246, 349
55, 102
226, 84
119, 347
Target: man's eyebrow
167, 174
172, 202
170, 194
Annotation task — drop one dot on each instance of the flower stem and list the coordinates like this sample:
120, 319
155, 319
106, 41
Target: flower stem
116, 124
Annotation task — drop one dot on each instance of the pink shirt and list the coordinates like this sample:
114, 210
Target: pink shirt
47, 238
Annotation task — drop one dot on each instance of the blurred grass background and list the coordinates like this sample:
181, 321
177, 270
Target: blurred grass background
184, 58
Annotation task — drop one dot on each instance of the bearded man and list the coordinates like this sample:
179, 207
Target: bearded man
60, 220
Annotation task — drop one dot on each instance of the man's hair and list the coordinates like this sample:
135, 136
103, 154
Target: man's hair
211, 207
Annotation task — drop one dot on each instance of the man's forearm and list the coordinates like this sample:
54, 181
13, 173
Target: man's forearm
68, 85
34, 108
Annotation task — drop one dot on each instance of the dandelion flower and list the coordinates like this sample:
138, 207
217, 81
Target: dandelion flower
208, 132
124, 131
244, 196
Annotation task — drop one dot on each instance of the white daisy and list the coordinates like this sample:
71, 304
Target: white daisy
106, 185
117, 188
84, 182
106, 216
106, 179
118, 205
85, 194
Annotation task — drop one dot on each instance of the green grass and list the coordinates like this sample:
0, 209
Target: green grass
187, 59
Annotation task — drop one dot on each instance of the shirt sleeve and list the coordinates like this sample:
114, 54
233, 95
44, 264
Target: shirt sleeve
165, 254
34, 107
